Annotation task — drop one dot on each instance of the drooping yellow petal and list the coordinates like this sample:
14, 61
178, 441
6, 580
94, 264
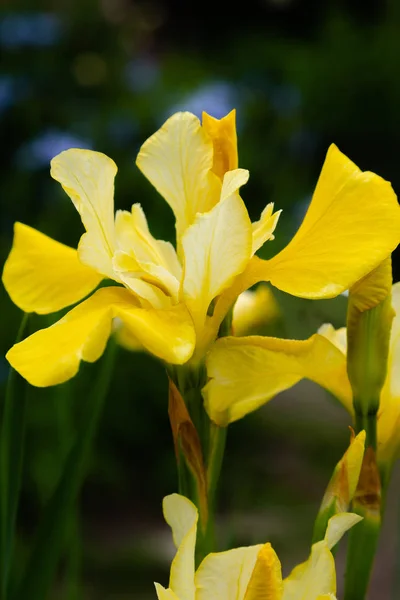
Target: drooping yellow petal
338, 337
253, 310
216, 248
42, 275
266, 579
247, 372
88, 179
223, 135
177, 160
226, 574
263, 230
181, 515
51, 356
163, 594
352, 225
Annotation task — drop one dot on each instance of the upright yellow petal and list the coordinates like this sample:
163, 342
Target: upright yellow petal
266, 579
163, 594
338, 525
352, 225
247, 372
177, 160
51, 356
181, 515
223, 135
315, 577
88, 179
263, 230
226, 574
42, 275
216, 248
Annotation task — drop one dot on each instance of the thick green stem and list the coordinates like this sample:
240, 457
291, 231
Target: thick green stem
363, 540
368, 423
11, 458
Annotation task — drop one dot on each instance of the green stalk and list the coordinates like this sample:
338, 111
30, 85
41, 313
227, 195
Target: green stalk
368, 423
51, 536
11, 459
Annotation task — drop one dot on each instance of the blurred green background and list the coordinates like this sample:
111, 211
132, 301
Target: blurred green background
105, 74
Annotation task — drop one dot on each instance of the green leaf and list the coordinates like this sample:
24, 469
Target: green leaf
52, 533
11, 456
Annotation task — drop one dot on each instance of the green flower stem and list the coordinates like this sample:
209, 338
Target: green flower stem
11, 458
217, 437
369, 424
52, 534
363, 540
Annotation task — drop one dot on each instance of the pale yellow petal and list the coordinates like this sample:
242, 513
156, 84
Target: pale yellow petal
232, 181
42, 275
223, 135
338, 525
352, 225
266, 579
216, 248
263, 230
338, 337
254, 310
177, 160
226, 574
88, 179
247, 372
315, 577
163, 594
182, 516
51, 356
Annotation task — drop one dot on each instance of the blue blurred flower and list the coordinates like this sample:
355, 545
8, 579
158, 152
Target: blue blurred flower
38, 153
30, 29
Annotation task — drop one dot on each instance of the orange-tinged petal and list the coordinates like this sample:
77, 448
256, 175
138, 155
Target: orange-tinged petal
352, 225
247, 372
226, 574
51, 356
177, 160
223, 135
42, 275
88, 179
266, 579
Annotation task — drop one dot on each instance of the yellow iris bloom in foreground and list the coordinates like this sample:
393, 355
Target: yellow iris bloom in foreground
248, 573
247, 372
163, 296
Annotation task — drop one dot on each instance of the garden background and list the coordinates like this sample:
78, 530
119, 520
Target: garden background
105, 75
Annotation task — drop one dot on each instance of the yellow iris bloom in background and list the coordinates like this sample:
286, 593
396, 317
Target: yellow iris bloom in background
163, 297
247, 372
248, 573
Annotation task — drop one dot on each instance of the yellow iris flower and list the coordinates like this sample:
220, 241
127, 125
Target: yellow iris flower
164, 296
248, 573
247, 372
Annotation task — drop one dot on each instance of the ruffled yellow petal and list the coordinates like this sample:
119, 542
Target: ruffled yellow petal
263, 230
177, 160
253, 310
42, 275
247, 372
216, 248
88, 179
352, 225
266, 579
226, 574
181, 515
163, 594
51, 356
223, 135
